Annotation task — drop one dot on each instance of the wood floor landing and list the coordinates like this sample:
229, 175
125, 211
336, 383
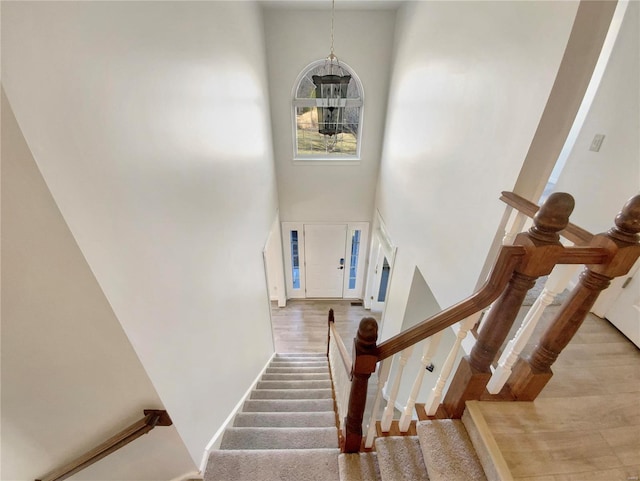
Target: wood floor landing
585, 426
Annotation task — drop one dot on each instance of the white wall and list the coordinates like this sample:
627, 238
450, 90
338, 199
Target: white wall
149, 122
294, 39
603, 181
470, 82
70, 378
275, 265
421, 304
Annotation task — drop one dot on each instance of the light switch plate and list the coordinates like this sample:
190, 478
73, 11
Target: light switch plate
596, 143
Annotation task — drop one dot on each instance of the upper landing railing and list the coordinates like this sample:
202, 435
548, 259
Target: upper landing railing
523, 258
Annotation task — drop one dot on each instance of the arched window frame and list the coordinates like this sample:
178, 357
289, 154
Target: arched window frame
310, 102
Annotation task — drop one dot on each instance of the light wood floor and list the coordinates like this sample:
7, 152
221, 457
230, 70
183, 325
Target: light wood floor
585, 426
302, 325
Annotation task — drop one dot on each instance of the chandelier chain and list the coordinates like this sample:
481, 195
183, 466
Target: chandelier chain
333, 7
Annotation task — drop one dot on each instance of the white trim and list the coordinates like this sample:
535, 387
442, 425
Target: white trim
188, 476
300, 293
499, 464
217, 437
355, 293
287, 227
333, 162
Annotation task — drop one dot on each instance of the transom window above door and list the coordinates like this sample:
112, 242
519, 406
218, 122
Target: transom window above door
327, 113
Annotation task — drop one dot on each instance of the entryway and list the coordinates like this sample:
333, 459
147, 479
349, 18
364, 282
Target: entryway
324, 261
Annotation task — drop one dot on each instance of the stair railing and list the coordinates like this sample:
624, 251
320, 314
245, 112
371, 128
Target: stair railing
515, 270
622, 243
556, 283
152, 418
340, 364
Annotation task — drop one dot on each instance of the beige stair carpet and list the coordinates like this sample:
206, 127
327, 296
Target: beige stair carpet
286, 430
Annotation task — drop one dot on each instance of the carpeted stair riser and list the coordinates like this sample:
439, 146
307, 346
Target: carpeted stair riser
279, 438
299, 364
326, 384
359, 467
296, 370
273, 465
400, 459
292, 376
291, 394
300, 354
448, 452
286, 420
286, 430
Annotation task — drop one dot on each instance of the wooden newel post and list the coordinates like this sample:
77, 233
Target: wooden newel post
543, 248
330, 321
623, 244
365, 358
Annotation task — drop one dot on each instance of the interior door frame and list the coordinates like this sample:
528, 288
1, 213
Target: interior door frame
300, 292
381, 247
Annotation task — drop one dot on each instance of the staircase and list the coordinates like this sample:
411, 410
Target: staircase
287, 431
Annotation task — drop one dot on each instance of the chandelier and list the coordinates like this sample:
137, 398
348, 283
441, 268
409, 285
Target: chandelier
331, 92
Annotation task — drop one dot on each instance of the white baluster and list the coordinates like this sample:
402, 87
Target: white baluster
436, 393
383, 375
387, 416
556, 283
514, 228
429, 350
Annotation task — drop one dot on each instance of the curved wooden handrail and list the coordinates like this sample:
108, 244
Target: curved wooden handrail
572, 232
508, 259
152, 418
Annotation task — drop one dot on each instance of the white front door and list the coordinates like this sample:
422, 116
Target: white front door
325, 259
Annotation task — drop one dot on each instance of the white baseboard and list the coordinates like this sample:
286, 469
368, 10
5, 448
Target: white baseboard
217, 437
188, 476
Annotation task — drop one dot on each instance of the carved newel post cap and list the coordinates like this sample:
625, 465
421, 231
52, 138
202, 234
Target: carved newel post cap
552, 217
628, 221
368, 331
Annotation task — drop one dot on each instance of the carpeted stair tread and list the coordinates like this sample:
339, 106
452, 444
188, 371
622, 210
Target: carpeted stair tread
294, 376
448, 452
273, 464
298, 384
279, 438
400, 459
291, 394
359, 467
287, 405
300, 354
282, 420
296, 364
286, 430
297, 370
300, 359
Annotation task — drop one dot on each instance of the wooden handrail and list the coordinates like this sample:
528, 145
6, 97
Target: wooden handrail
153, 418
530, 375
344, 354
508, 259
574, 233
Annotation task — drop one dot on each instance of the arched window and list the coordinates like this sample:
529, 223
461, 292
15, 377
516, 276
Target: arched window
336, 134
